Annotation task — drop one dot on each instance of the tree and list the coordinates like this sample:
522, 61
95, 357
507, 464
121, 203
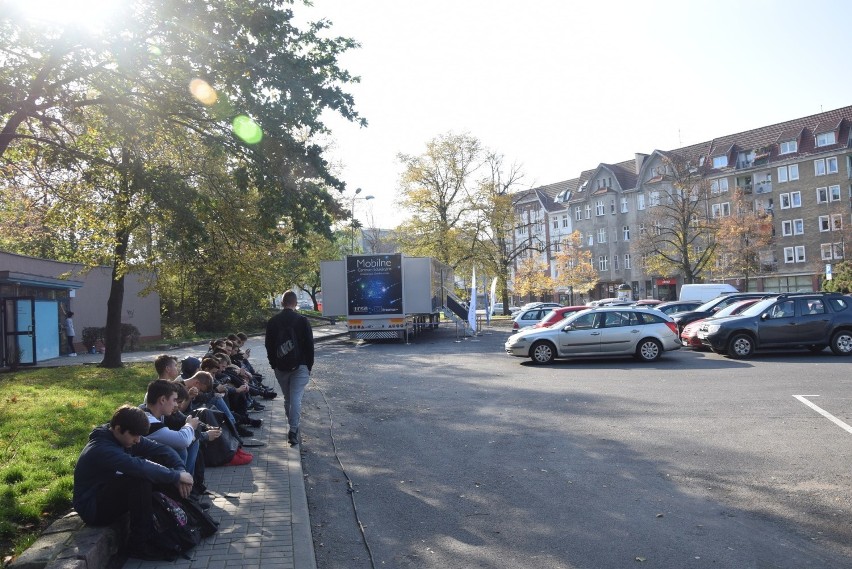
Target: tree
436, 188
679, 235
574, 268
94, 104
532, 278
741, 238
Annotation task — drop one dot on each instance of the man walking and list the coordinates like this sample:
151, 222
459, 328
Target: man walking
290, 351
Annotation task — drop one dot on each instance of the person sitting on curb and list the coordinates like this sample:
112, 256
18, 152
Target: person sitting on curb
160, 402
118, 470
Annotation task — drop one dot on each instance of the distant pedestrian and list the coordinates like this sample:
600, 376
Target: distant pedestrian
290, 351
69, 332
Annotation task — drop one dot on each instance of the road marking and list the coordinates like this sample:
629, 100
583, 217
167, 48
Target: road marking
824, 413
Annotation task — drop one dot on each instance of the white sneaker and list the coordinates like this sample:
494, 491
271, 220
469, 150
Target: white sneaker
73, 354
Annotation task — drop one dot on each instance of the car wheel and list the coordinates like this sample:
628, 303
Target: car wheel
841, 343
649, 350
816, 348
542, 352
741, 346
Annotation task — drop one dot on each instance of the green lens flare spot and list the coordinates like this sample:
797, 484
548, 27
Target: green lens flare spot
247, 130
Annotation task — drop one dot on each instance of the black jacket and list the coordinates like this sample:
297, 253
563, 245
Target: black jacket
303, 332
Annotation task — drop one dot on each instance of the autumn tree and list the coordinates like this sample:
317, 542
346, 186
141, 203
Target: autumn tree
741, 238
574, 267
532, 278
679, 235
109, 111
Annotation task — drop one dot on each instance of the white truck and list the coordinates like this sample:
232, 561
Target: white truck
385, 295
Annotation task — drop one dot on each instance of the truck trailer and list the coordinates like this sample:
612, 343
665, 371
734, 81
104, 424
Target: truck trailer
385, 296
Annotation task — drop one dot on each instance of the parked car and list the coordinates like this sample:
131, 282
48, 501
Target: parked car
672, 306
558, 314
530, 305
528, 317
809, 320
644, 333
601, 301
712, 306
689, 335
647, 302
705, 292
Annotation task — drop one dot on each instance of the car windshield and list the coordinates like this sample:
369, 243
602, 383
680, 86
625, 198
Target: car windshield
758, 307
728, 310
707, 306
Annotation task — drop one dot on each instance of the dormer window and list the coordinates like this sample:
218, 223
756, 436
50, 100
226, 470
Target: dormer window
825, 139
788, 147
720, 162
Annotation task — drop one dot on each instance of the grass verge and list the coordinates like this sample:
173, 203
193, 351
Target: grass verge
46, 416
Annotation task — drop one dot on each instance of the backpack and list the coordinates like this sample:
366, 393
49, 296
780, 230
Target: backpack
223, 449
175, 531
288, 356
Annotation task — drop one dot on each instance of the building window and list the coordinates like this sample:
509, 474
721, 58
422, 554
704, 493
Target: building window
588, 211
719, 185
603, 262
819, 167
654, 199
831, 165
787, 228
721, 209
627, 260
578, 213
623, 205
788, 147
788, 255
837, 222
720, 161
640, 201
625, 231
565, 220
793, 199
834, 193
798, 227
800, 253
822, 195
590, 239
788, 173
838, 250
825, 139
825, 251
612, 205
555, 224
602, 235
599, 208
615, 262
641, 229
794, 254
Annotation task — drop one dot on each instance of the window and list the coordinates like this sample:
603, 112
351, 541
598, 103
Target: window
825, 251
640, 201
798, 227
627, 260
623, 205
825, 139
654, 199
612, 205
720, 161
565, 220
590, 239
603, 262
838, 250
822, 195
837, 222
800, 253
793, 199
658, 229
788, 255
615, 262
824, 223
719, 185
794, 254
788, 173
599, 208
578, 213
625, 231
555, 224
721, 209
784, 309
588, 211
819, 167
831, 165
834, 193
788, 147
641, 229
787, 228
602, 235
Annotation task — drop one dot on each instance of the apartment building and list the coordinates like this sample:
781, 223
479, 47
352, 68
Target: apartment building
798, 171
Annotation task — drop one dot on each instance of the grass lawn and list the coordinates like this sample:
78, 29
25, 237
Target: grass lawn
46, 416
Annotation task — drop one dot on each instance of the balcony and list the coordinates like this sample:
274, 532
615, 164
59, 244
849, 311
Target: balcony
764, 187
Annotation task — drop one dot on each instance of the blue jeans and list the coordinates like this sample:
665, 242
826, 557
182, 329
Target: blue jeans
293, 385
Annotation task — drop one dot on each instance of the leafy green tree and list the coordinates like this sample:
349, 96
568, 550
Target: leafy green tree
841, 278
106, 107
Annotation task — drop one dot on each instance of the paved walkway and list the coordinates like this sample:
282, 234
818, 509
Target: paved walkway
262, 508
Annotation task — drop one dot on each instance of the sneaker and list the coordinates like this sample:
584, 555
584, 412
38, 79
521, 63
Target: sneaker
269, 395
293, 437
255, 406
73, 354
240, 458
256, 423
243, 432
252, 443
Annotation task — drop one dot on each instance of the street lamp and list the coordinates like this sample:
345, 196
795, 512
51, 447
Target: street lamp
354, 221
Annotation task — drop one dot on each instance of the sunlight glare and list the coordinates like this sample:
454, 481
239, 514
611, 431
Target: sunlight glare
90, 14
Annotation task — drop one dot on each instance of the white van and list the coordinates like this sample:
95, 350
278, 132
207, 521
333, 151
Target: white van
704, 292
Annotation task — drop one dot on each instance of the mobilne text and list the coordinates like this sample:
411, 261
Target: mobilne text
373, 263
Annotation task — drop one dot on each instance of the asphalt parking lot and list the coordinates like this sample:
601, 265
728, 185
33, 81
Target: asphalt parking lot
462, 456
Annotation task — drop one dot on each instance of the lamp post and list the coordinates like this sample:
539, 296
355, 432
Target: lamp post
354, 221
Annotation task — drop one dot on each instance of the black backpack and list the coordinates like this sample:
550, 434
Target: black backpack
175, 530
223, 449
288, 356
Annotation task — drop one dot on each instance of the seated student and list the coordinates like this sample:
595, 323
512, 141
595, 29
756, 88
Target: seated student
166, 367
117, 472
160, 402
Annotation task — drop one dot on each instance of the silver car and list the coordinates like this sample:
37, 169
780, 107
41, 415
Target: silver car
644, 333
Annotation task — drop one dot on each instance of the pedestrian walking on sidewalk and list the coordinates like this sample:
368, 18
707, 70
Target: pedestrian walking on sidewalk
290, 351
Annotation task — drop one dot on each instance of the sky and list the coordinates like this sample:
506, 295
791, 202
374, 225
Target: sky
561, 86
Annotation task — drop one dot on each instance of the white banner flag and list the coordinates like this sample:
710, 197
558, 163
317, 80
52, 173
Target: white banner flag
471, 310
493, 294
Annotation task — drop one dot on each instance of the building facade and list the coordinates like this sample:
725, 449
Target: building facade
799, 172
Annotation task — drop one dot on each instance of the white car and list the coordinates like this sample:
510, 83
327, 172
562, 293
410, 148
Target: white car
529, 317
644, 333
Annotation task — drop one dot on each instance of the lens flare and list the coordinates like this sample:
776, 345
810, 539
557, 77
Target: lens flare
202, 91
247, 130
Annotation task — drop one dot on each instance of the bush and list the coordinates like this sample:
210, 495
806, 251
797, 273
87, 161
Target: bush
129, 337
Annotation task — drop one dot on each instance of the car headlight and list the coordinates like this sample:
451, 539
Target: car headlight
712, 328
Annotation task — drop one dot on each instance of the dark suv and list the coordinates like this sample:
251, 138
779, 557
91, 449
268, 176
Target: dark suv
710, 307
810, 320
